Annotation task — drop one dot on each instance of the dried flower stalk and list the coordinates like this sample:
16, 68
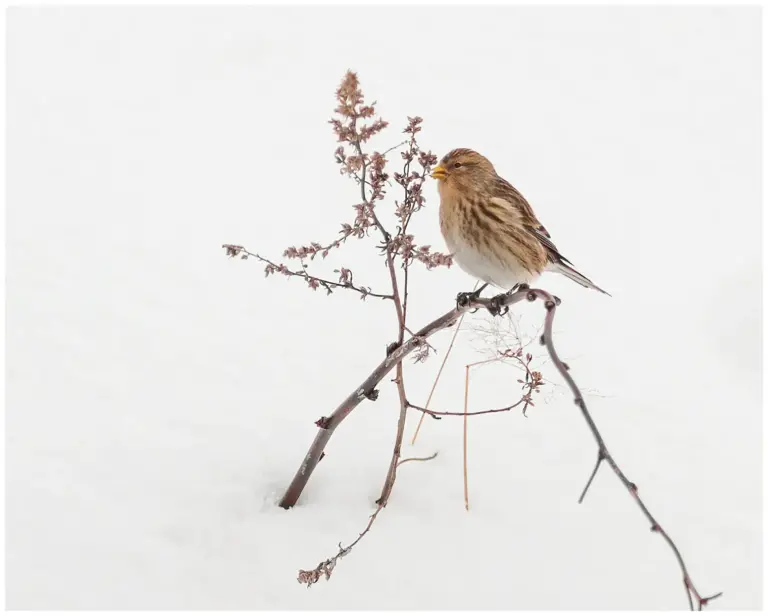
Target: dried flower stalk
354, 126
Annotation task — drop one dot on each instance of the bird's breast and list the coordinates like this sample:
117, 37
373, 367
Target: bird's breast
482, 247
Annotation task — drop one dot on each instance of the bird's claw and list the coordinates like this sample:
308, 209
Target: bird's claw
497, 307
466, 298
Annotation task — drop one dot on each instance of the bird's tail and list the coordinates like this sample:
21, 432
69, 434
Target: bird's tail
568, 271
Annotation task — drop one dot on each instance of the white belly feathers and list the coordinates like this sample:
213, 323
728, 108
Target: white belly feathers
487, 268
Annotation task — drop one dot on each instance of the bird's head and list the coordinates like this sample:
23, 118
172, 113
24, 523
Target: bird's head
462, 167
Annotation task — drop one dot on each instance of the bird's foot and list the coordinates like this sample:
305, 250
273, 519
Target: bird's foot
496, 305
466, 298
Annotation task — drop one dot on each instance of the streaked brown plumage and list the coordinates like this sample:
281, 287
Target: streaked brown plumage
490, 228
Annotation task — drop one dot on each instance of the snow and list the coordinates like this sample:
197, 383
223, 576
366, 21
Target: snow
160, 397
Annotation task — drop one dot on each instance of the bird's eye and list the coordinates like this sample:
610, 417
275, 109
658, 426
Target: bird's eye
456, 165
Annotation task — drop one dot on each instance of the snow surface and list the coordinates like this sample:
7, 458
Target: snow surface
160, 396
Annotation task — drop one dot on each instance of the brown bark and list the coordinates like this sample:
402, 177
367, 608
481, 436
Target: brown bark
695, 600
329, 424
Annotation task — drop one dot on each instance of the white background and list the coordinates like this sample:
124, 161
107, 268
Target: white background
160, 396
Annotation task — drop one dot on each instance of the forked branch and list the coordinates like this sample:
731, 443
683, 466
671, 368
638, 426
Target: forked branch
695, 599
345, 276
354, 126
550, 303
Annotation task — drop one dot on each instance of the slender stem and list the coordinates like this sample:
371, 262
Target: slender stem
439, 373
550, 303
396, 296
466, 414
437, 378
327, 425
389, 483
396, 357
326, 284
525, 399
425, 459
406, 267
376, 221
394, 147
591, 477
466, 402
390, 257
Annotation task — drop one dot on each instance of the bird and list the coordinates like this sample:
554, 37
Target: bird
491, 230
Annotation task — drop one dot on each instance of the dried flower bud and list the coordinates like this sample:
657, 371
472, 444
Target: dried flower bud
232, 249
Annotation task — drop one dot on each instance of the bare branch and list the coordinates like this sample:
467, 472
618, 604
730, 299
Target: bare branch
600, 458
389, 483
432, 457
439, 374
461, 414
326, 567
355, 126
369, 384
550, 303
502, 301
313, 281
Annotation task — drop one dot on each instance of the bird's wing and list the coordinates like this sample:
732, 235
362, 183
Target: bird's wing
506, 192
543, 236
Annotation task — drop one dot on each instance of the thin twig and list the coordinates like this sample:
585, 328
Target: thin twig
530, 386
327, 425
376, 221
389, 483
406, 267
465, 414
466, 419
326, 567
437, 379
432, 457
328, 285
440, 372
394, 147
400, 309
591, 477
385, 235
550, 303
504, 355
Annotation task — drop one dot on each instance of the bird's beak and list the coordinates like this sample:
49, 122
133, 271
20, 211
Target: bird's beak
439, 173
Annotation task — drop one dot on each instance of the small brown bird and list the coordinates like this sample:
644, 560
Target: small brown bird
491, 229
